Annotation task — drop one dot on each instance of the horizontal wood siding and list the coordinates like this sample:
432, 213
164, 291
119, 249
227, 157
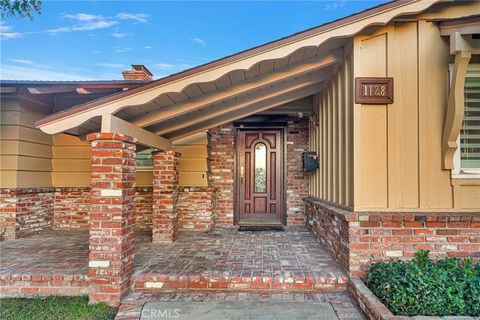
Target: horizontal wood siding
25, 152
71, 161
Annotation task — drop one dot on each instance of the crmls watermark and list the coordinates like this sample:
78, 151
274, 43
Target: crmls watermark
153, 313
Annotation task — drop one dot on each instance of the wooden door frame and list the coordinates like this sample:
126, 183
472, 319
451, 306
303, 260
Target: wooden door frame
283, 142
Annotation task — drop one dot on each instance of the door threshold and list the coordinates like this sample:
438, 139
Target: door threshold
260, 223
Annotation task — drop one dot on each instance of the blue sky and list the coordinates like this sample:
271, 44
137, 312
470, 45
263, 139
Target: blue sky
93, 40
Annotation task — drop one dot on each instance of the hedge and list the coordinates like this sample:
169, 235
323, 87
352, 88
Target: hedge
444, 287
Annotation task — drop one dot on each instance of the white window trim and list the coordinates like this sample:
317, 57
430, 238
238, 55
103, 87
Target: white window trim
458, 172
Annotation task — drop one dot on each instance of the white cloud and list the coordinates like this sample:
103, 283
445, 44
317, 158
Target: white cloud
118, 35
200, 42
111, 65
81, 22
21, 61
164, 65
331, 6
6, 32
120, 50
84, 17
138, 17
11, 72
147, 47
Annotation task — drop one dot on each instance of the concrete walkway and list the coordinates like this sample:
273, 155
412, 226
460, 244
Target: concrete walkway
238, 310
239, 305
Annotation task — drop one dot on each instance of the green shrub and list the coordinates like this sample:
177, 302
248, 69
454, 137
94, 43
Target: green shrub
424, 287
54, 308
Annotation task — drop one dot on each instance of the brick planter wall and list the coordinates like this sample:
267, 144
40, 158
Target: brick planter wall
196, 208
71, 208
374, 309
358, 239
25, 211
222, 171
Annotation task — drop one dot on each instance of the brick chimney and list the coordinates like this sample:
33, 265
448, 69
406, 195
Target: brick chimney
138, 72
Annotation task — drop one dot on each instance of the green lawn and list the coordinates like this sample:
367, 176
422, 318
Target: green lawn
53, 308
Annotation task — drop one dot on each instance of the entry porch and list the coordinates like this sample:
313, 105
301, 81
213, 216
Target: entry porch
56, 262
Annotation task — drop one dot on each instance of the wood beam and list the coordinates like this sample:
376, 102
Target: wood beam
110, 123
455, 109
459, 42
252, 109
175, 110
234, 105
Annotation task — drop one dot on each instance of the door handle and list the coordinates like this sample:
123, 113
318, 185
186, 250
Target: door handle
242, 173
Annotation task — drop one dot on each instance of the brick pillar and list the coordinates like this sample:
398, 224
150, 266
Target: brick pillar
165, 195
112, 217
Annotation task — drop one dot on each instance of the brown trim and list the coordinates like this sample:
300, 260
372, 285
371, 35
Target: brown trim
459, 21
225, 60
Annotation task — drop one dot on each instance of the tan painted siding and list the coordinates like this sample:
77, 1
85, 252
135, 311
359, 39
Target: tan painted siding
71, 161
332, 139
194, 162
397, 147
25, 152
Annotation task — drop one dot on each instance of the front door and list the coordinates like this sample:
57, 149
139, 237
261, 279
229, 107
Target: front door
260, 177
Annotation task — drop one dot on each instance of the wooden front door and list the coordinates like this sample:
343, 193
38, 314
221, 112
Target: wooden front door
260, 177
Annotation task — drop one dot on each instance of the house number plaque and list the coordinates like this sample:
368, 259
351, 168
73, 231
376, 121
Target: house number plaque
373, 90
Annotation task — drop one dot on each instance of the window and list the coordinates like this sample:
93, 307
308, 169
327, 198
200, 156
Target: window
467, 157
144, 160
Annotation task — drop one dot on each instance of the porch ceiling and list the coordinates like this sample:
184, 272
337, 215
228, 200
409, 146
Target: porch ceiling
237, 94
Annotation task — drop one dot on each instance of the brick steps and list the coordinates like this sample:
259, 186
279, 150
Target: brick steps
14, 285
159, 283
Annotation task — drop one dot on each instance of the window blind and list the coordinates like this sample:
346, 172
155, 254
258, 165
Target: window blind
470, 132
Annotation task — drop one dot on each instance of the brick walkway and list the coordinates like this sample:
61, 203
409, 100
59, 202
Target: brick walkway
224, 259
231, 260
344, 307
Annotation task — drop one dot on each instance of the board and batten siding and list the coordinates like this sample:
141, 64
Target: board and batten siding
25, 152
397, 147
331, 137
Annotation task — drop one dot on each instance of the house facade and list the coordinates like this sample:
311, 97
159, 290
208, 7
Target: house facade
365, 129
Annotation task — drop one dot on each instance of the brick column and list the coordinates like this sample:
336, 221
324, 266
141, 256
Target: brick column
112, 217
165, 195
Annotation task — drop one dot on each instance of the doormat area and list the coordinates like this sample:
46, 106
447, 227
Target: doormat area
237, 310
260, 228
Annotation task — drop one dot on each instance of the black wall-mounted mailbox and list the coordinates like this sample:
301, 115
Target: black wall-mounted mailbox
310, 161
